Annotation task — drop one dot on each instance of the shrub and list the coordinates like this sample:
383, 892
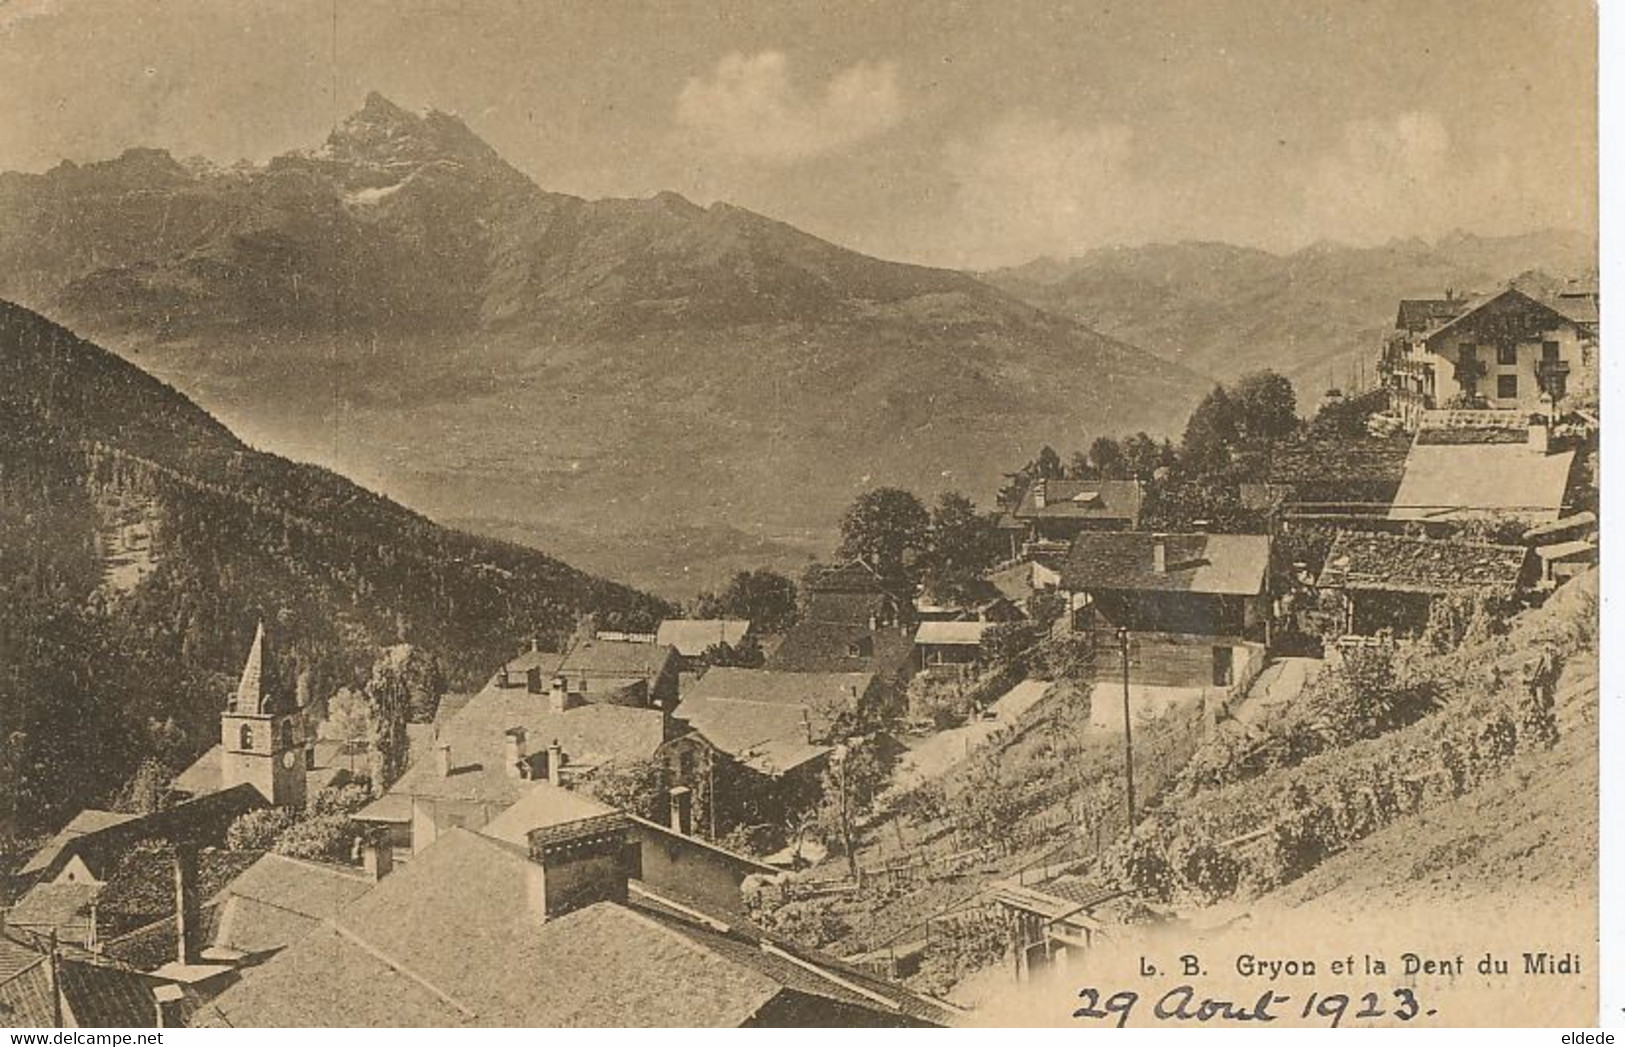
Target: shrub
322, 837
258, 830
634, 786
340, 799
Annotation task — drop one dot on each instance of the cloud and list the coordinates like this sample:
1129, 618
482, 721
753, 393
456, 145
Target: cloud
1406, 176
1029, 185
749, 109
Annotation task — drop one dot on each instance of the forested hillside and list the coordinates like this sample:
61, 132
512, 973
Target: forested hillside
140, 542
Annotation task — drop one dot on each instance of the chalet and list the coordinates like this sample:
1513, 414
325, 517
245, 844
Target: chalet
1197, 607
774, 724
692, 637
667, 858
949, 644
1389, 582
552, 932
621, 672
853, 593
495, 748
882, 652
1504, 351
1053, 512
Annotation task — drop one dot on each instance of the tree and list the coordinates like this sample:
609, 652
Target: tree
1209, 434
1047, 466
389, 694
634, 786
747, 654
887, 528
1266, 406
1108, 459
964, 543
765, 598
349, 721
853, 779
1142, 456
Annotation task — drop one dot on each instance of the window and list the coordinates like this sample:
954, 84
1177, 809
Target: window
1549, 352
245, 736
1506, 353
287, 734
1506, 387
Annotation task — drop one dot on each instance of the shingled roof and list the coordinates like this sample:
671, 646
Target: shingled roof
278, 900
1380, 562
762, 718
1218, 564
1082, 500
476, 952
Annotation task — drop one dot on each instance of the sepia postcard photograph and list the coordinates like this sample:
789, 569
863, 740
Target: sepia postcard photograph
748, 513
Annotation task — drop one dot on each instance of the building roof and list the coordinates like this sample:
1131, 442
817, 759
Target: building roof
543, 807
854, 576
617, 658
1218, 564
1496, 305
840, 647
1420, 314
476, 952
63, 906
690, 637
84, 823
763, 718
94, 995
278, 900
1460, 481
1579, 549
952, 634
589, 735
1082, 500
1381, 562
1577, 523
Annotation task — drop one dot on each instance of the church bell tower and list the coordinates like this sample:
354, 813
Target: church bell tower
262, 736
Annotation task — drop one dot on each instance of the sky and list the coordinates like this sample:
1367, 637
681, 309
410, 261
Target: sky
963, 134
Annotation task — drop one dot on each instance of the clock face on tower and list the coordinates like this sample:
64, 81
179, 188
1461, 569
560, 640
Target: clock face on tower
288, 759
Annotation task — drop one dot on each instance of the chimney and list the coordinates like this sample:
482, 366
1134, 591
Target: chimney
186, 912
164, 999
1040, 494
378, 856
503, 679
535, 645
682, 810
513, 751
1159, 553
806, 726
874, 621
558, 696
555, 763
442, 759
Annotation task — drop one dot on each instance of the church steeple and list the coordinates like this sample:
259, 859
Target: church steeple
252, 694
261, 733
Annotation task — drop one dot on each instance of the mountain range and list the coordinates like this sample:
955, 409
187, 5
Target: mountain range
141, 543
1314, 315
649, 388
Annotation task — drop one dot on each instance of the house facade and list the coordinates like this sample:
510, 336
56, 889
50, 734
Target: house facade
1505, 351
1053, 512
1196, 607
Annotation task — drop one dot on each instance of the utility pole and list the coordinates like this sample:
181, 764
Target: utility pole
1128, 732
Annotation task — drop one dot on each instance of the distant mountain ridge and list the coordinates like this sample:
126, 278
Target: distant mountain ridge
633, 383
140, 543
1221, 309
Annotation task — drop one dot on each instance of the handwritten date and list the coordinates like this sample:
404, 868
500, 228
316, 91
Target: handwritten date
1183, 1004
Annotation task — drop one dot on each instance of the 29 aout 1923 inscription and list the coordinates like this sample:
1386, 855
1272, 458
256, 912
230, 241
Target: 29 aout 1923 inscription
1184, 1004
